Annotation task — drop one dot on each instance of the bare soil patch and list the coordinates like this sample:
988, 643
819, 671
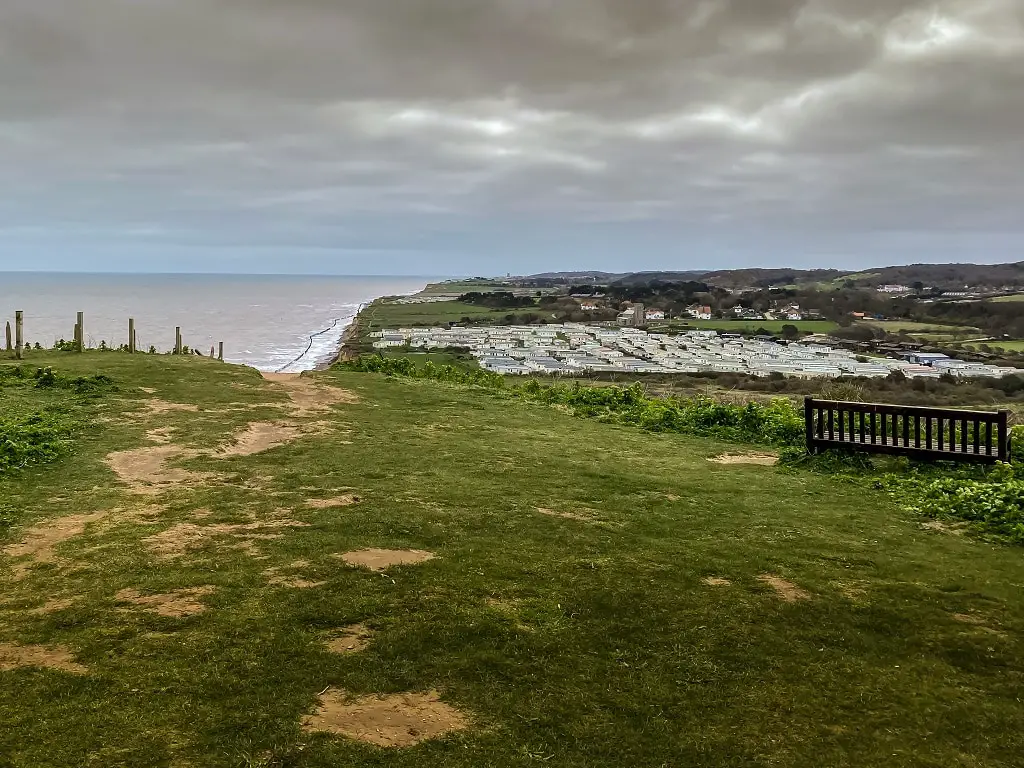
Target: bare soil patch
338, 501
351, 639
46, 656
759, 459
156, 406
786, 590
382, 559
177, 604
954, 529
52, 606
182, 538
309, 397
39, 543
146, 471
260, 436
277, 576
161, 436
401, 720
717, 581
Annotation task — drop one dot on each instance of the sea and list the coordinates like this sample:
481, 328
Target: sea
280, 323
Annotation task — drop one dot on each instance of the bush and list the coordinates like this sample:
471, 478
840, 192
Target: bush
33, 439
990, 501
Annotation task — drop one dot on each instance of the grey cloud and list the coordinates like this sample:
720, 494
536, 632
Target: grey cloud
763, 131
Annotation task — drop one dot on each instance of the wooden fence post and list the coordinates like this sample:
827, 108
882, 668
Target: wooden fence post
19, 333
10, 342
220, 351
131, 335
809, 423
1004, 435
177, 340
80, 341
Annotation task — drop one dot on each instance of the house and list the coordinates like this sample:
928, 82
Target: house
894, 289
699, 312
625, 317
654, 314
588, 306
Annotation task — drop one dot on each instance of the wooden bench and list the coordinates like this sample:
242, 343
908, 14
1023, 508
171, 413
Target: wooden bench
929, 433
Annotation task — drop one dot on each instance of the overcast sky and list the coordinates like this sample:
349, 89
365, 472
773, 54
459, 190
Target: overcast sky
492, 136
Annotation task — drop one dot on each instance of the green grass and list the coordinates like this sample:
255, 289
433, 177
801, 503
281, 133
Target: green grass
570, 642
1016, 345
752, 326
378, 316
909, 326
1005, 299
437, 358
466, 286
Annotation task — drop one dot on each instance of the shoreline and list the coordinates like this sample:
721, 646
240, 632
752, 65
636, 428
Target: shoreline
350, 332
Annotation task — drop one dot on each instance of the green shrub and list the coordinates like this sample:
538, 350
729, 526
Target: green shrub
990, 500
33, 439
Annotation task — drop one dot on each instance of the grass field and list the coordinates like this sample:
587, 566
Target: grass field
379, 316
598, 596
1015, 345
1006, 299
465, 286
752, 326
909, 326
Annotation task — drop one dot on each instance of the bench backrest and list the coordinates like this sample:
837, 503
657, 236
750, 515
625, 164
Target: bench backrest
948, 434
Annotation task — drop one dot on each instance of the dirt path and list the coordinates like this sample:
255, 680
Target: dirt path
308, 398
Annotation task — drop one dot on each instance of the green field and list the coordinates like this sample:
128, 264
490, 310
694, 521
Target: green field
1005, 299
1015, 345
381, 315
752, 326
909, 326
598, 597
466, 286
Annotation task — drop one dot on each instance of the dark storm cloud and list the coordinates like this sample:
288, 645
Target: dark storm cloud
751, 130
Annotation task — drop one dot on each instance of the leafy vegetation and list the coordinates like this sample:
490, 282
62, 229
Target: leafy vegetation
990, 501
33, 435
33, 439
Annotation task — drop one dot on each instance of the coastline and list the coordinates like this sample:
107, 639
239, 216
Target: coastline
346, 349
348, 335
